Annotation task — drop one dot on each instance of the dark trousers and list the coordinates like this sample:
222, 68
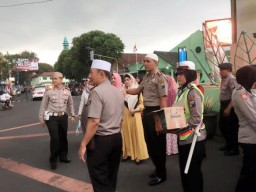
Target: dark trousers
193, 181
58, 127
156, 143
247, 177
84, 118
103, 162
229, 126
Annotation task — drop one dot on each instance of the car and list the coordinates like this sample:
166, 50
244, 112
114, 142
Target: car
38, 92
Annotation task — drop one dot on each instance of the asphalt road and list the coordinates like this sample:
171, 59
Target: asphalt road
24, 153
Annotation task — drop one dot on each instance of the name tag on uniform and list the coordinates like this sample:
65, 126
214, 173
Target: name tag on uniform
46, 115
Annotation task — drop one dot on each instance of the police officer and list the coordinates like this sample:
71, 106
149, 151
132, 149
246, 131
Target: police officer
155, 89
53, 113
102, 140
244, 102
191, 98
228, 121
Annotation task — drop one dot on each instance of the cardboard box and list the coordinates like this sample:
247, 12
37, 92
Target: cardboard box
170, 119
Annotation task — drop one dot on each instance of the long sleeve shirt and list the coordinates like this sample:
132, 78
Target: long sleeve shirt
84, 99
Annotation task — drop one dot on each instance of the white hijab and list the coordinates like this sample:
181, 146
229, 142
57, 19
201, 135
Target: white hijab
132, 99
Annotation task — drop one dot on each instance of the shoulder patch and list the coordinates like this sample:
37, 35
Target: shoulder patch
243, 95
159, 73
192, 103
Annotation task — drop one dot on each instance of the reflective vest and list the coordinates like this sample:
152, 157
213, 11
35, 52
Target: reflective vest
183, 98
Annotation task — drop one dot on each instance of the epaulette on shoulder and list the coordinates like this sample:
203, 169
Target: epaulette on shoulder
48, 89
159, 73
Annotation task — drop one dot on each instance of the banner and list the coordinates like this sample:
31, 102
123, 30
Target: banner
26, 65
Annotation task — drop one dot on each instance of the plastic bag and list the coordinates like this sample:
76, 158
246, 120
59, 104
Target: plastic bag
78, 128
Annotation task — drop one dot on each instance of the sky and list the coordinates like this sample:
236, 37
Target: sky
40, 25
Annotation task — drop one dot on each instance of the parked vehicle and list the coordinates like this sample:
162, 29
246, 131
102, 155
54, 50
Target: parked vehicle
38, 92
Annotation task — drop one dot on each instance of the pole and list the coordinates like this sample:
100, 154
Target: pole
109, 58
191, 151
137, 65
202, 67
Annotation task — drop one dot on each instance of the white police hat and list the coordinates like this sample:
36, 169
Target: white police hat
152, 56
186, 65
100, 64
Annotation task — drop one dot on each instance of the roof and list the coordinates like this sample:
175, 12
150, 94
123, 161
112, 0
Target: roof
46, 74
131, 58
169, 57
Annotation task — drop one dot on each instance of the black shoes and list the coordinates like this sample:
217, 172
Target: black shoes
65, 160
53, 165
138, 162
152, 175
124, 159
223, 148
156, 181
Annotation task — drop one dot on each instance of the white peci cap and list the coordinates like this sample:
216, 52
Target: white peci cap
100, 64
186, 65
152, 56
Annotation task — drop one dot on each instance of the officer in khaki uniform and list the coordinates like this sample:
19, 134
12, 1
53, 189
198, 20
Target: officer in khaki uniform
191, 98
102, 140
155, 90
228, 121
53, 113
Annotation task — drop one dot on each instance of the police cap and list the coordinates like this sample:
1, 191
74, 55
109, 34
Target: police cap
225, 66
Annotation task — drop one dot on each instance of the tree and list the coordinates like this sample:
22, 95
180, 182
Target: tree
3, 68
74, 63
44, 67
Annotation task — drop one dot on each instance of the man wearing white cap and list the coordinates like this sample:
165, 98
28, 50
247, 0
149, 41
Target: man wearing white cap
155, 90
102, 137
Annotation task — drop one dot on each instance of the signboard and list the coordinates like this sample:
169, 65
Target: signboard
26, 65
220, 30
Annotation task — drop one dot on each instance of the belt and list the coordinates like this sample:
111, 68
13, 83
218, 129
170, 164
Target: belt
56, 113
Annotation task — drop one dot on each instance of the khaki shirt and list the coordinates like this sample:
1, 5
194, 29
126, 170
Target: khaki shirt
106, 103
194, 101
56, 100
245, 107
227, 86
154, 87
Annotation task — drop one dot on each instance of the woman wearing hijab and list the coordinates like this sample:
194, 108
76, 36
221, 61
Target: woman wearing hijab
134, 145
244, 103
116, 81
171, 139
83, 108
191, 98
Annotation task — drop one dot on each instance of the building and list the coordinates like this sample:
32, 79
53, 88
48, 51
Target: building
133, 63
45, 79
243, 48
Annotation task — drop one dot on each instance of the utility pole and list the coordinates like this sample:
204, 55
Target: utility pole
92, 54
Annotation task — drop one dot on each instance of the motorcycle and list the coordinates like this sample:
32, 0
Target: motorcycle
6, 105
5, 100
